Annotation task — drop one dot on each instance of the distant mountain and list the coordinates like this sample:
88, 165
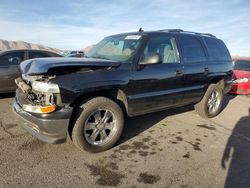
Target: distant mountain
7, 45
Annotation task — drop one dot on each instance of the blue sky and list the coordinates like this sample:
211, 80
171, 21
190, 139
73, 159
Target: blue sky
74, 24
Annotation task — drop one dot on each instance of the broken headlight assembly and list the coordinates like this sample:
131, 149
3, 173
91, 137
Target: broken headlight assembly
45, 87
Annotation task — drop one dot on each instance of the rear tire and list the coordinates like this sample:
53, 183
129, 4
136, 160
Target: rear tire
98, 125
211, 103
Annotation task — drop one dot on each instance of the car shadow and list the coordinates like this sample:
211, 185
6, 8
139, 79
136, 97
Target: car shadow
136, 125
237, 151
7, 95
227, 99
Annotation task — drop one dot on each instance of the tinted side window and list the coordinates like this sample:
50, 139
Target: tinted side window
217, 49
12, 58
165, 46
37, 55
192, 49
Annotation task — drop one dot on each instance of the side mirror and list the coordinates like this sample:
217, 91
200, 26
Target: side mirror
151, 58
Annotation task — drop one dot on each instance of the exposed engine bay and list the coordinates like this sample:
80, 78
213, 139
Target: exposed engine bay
35, 97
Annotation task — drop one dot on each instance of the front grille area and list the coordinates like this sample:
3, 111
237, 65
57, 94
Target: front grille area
34, 97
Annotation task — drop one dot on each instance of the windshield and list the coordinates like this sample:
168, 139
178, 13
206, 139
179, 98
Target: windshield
117, 48
242, 65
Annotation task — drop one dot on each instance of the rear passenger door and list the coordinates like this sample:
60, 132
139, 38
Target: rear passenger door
220, 62
194, 57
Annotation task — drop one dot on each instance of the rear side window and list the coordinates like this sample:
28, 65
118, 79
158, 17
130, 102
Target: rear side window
37, 55
12, 58
242, 65
192, 49
217, 49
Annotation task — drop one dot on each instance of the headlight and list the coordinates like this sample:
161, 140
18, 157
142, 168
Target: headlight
45, 87
241, 80
39, 109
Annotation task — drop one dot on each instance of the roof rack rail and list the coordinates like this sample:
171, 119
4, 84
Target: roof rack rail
196, 33
191, 32
171, 30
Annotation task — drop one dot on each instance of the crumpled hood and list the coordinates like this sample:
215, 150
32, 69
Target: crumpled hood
44, 65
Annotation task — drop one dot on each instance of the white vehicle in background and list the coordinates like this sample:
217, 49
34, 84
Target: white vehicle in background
74, 53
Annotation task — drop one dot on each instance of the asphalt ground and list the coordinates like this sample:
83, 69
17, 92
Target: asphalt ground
173, 148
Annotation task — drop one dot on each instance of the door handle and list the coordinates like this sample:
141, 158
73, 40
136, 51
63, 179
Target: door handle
178, 73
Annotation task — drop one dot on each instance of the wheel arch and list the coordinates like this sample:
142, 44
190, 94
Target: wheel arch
115, 94
219, 81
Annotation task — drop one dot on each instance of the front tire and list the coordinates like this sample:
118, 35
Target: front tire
98, 125
211, 103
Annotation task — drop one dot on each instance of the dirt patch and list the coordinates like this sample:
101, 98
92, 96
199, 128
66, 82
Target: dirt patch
197, 143
143, 153
187, 155
107, 177
154, 143
145, 147
114, 166
212, 127
146, 139
113, 156
148, 178
32, 145
125, 147
135, 146
132, 151
178, 138
9, 126
173, 142
196, 146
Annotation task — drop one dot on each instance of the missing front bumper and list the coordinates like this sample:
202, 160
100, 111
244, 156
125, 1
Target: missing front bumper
51, 128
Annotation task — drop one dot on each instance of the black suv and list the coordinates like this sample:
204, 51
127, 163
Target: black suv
123, 75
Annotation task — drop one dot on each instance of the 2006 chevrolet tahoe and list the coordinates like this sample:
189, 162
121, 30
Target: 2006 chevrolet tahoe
123, 75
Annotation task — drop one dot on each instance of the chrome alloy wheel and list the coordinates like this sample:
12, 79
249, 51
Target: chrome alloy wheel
214, 102
99, 127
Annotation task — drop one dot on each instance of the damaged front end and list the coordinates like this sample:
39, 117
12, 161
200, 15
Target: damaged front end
41, 95
38, 102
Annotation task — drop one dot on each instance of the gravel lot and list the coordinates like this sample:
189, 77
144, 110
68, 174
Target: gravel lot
174, 148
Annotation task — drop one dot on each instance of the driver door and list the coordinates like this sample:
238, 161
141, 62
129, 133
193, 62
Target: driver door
158, 86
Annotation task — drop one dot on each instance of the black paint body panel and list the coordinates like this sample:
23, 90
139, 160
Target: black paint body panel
147, 88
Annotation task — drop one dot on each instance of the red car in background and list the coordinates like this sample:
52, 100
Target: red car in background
241, 76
